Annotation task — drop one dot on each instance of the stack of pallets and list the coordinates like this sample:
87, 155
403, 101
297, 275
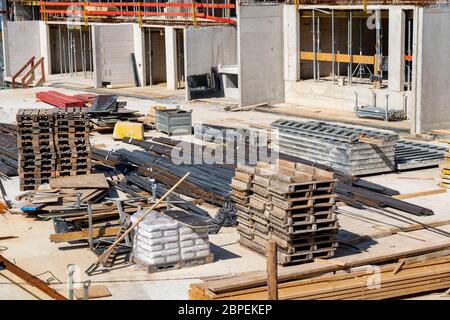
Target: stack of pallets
36, 148
240, 195
292, 204
445, 172
72, 141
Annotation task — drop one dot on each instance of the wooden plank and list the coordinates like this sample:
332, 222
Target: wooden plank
30, 279
345, 58
390, 231
83, 235
95, 292
310, 269
91, 181
419, 194
8, 237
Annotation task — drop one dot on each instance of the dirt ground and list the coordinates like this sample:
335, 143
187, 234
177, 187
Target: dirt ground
33, 251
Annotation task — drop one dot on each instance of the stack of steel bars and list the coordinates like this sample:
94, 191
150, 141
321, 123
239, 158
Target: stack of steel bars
8, 150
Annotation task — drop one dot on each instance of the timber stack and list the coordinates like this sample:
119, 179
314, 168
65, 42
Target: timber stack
445, 172
291, 203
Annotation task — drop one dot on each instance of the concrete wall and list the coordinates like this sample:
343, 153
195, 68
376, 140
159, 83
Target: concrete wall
396, 49
112, 46
17, 51
207, 47
433, 69
260, 54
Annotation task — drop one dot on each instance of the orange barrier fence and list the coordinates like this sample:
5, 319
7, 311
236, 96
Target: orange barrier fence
90, 9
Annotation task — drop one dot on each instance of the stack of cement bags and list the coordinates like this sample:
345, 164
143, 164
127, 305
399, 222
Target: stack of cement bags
160, 242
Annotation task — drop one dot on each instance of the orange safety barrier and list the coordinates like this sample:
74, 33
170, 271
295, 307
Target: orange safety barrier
138, 14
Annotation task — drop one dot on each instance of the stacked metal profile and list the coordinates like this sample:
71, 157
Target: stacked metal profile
36, 148
292, 204
380, 113
71, 129
445, 172
347, 149
409, 155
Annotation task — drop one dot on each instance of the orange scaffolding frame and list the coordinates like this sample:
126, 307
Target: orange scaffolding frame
86, 10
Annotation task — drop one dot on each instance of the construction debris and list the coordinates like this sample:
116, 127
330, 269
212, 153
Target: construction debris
338, 146
106, 111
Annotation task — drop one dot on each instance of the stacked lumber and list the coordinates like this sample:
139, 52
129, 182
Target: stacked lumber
60, 194
445, 172
240, 193
367, 284
36, 147
292, 204
72, 141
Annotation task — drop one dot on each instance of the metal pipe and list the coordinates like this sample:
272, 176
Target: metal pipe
91, 232
409, 63
86, 286
387, 107
71, 271
78, 198
374, 99
75, 54
83, 52
356, 101
60, 51
349, 48
333, 58
405, 105
314, 45
91, 68
318, 47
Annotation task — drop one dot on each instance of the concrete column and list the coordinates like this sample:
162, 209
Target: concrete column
396, 49
171, 57
96, 56
139, 52
291, 41
44, 37
6, 60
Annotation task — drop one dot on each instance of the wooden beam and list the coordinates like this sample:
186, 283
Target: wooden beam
272, 271
341, 57
83, 235
30, 279
419, 194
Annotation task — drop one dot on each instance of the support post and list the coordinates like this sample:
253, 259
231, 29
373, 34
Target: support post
314, 45
396, 49
171, 58
272, 271
349, 48
333, 44
91, 233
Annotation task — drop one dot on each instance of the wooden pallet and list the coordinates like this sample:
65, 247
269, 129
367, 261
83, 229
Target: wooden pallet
173, 265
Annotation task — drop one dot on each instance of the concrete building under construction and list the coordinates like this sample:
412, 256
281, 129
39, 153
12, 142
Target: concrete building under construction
322, 54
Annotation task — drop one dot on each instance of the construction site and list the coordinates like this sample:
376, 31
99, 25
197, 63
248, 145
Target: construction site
224, 150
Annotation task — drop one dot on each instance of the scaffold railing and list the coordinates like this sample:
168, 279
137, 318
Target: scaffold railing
85, 12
